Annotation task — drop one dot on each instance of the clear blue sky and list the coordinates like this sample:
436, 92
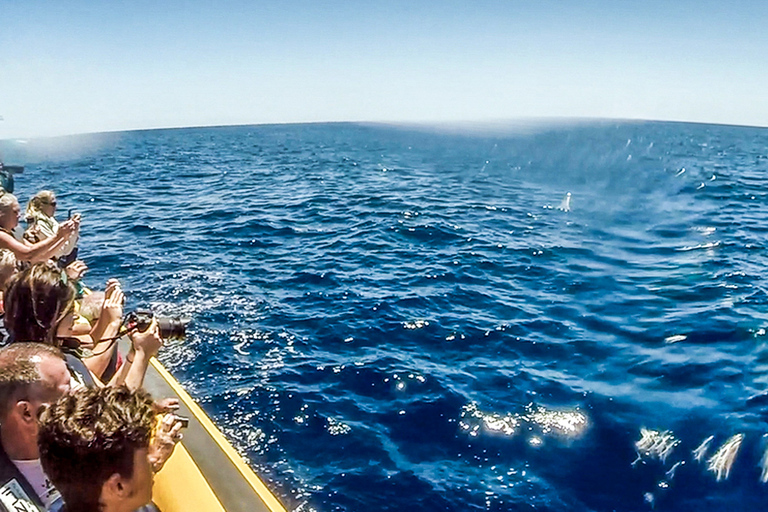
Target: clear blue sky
85, 66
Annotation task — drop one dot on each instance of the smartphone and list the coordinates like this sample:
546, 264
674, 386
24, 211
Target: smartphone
184, 421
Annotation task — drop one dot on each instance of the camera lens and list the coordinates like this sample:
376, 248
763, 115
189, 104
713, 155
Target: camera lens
172, 327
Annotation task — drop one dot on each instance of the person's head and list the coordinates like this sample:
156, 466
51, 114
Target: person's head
94, 448
90, 307
40, 304
9, 211
7, 267
43, 202
31, 376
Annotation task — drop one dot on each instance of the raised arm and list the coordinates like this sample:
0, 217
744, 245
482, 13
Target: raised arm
146, 344
41, 250
118, 379
106, 328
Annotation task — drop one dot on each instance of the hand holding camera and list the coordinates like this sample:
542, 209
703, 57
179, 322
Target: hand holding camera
167, 434
171, 327
148, 340
68, 227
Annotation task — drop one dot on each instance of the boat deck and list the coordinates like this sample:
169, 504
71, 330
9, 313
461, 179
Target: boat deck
205, 472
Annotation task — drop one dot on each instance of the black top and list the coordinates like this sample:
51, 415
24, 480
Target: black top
78, 370
5, 338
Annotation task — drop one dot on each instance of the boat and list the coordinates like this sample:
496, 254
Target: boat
205, 472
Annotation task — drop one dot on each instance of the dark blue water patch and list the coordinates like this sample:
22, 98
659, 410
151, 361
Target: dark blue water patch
302, 279
424, 430
345, 486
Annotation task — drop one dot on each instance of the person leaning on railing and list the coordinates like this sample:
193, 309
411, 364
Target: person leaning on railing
40, 307
41, 251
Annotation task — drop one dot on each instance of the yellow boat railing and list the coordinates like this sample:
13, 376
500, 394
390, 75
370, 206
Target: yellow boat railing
205, 473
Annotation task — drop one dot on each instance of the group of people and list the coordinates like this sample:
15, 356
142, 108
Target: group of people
77, 431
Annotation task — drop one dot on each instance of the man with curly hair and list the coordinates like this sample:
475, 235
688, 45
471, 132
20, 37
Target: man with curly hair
95, 447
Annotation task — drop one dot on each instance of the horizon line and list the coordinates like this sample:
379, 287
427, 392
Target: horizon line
475, 124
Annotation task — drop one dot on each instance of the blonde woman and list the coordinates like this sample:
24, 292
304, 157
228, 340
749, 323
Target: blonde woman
42, 224
40, 251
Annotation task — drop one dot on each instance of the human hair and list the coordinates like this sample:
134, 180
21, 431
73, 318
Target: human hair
7, 266
34, 206
6, 202
20, 372
88, 436
36, 302
90, 306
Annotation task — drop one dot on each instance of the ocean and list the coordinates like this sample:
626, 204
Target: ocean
389, 318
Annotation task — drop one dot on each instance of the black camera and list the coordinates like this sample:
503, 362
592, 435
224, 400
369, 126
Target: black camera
171, 327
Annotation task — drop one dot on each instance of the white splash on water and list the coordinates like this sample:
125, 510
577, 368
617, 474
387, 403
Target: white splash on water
764, 466
701, 452
710, 245
721, 462
416, 324
655, 444
675, 338
671, 473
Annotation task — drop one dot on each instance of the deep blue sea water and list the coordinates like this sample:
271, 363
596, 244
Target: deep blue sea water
393, 318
